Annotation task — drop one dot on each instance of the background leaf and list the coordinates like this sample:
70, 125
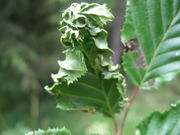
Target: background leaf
167, 123
54, 131
156, 24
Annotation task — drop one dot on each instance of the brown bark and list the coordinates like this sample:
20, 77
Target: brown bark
116, 44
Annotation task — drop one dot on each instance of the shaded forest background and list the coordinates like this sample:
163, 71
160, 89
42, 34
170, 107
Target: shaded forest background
29, 50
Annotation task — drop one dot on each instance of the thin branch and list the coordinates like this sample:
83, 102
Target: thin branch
115, 124
115, 40
128, 106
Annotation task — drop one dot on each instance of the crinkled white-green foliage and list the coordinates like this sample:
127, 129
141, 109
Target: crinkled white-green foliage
71, 68
54, 131
87, 57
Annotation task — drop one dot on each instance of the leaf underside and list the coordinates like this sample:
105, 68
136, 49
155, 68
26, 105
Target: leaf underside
87, 79
54, 131
156, 25
167, 123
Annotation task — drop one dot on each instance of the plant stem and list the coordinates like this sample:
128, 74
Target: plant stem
116, 43
128, 106
115, 124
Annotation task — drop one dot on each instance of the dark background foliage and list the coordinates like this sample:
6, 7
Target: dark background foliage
29, 49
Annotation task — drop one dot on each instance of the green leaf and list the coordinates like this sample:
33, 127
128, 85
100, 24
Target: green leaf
87, 78
54, 131
71, 68
167, 123
127, 31
91, 93
156, 24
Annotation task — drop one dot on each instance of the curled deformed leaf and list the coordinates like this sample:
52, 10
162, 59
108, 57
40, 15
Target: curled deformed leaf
71, 68
87, 78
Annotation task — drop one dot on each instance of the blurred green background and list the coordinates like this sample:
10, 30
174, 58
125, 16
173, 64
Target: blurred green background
29, 49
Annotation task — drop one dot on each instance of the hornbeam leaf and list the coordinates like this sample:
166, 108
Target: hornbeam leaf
71, 68
167, 123
87, 78
156, 24
91, 93
54, 131
127, 31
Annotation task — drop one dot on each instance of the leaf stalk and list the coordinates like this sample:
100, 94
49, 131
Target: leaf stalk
128, 107
115, 123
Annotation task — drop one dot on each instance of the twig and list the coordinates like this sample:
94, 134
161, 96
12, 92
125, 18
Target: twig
115, 40
128, 106
115, 124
